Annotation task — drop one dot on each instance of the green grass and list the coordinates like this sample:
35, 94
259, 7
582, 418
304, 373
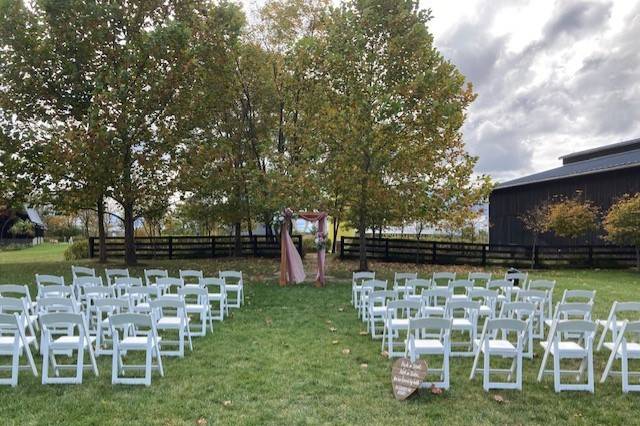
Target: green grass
276, 362
46, 252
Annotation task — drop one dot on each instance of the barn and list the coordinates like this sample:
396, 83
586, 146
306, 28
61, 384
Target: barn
9, 217
600, 175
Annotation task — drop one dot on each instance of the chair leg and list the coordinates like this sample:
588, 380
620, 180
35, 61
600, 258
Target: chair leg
485, 371
15, 365
556, 373
147, 369
45, 362
114, 363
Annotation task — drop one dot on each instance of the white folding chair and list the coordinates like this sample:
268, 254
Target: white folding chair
560, 349
170, 314
76, 340
434, 302
169, 286
91, 296
356, 286
494, 341
378, 301
549, 286
578, 296
134, 332
479, 279
460, 289
488, 300
112, 274
615, 319
368, 287
442, 279
464, 316
48, 291
520, 277
217, 293
415, 288
80, 284
233, 284
105, 308
431, 337
150, 275
196, 301
400, 282
14, 343
21, 292
14, 305
190, 276
505, 290
539, 298
399, 312
45, 280
123, 284
140, 298
81, 271
523, 311
625, 347
570, 310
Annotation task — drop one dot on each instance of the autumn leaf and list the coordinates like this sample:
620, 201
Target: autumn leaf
499, 399
346, 351
201, 421
436, 390
227, 403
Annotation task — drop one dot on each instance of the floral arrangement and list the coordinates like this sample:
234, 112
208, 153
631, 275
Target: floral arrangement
321, 241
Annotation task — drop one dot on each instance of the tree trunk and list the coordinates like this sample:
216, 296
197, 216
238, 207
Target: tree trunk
362, 229
237, 247
336, 227
129, 235
102, 234
638, 258
533, 252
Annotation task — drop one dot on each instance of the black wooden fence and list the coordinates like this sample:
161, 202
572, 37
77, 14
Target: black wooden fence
440, 252
189, 247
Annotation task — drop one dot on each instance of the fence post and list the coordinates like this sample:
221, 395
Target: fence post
213, 246
484, 255
342, 247
254, 245
434, 247
91, 249
386, 250
590, 261
299, 243
536, 257
170, 247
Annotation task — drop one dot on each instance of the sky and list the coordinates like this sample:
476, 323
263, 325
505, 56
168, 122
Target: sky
552, 76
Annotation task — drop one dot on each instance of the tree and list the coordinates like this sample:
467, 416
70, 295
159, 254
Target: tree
622, 223
392, 106
22, 228
536, 221
109, 76
572, 218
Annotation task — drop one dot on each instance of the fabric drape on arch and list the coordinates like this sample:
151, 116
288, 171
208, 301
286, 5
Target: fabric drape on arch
291, 267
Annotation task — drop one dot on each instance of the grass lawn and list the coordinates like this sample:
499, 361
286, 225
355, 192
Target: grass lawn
45, 253
275, 362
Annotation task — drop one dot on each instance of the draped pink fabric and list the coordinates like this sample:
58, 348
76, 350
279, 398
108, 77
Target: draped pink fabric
292, 269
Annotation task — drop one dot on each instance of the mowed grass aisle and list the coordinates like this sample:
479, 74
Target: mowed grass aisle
280, 360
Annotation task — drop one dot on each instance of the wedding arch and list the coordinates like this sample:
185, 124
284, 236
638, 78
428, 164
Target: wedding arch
291, 267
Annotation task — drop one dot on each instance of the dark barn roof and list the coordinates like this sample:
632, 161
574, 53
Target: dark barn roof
610, 157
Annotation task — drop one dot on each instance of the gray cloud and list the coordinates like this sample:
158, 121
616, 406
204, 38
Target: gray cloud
513, 122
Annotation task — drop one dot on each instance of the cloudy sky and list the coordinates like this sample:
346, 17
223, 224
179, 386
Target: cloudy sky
552, 77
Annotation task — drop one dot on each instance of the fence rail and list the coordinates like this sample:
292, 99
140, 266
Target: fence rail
190, 247
440, 252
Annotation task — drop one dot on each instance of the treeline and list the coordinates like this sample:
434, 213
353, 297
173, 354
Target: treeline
149, 105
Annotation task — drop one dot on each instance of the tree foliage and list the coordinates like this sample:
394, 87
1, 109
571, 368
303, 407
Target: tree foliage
622, 223
572, 218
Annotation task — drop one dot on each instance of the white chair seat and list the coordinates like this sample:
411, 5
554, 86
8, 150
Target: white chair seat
399, 323
485, 310
232, 287
6, 343
612, 326
215, 296
169, 322
433, 310
457, 297
633, 349
428, 346
458, 323
379, 310
191, 286
413, 297
194, 307
498, 347
69, 342
132, 343
567, 350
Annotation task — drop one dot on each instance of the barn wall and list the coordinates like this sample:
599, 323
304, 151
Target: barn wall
506, 205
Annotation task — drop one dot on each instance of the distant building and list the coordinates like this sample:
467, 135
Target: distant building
7, 219
600, 175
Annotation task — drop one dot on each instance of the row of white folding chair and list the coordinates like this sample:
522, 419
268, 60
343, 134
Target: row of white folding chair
625, 347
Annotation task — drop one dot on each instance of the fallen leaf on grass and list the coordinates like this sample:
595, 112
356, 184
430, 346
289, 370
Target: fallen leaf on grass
268, 321
499, 399
333, 329
436, 390
340, 309
201, 421
346, 351
364, 333
335, 342
227, 403
384, 354
329, 322
363, 365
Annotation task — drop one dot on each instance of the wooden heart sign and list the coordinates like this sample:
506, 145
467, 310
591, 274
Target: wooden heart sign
406, 377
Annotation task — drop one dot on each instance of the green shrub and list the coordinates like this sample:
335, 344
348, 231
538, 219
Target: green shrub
78, 250
309, 244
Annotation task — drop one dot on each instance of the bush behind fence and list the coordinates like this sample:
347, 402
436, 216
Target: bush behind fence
439, 252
